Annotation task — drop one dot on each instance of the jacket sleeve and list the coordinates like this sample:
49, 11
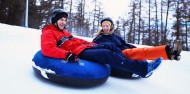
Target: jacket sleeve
49, 46
97, 39
125, 43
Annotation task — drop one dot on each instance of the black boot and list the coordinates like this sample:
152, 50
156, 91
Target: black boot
174, 52
177, 50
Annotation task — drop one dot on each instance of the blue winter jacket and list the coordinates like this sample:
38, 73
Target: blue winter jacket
113, 38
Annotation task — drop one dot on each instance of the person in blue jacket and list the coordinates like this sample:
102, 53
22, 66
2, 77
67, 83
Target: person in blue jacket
106, 34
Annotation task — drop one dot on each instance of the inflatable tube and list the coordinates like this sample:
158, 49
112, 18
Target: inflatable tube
80, 74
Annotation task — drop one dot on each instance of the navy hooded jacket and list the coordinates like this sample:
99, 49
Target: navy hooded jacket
113, 38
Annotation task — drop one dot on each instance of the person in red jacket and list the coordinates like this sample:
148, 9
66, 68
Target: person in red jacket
57, 42
106, 34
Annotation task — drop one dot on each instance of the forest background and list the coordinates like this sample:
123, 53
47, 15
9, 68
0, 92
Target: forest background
145, 22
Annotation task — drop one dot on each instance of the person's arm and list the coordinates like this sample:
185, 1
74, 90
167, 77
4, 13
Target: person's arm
98, 39
125, 43
49, 46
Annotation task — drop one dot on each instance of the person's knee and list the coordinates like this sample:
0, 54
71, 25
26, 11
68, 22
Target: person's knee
105, 51
110, 46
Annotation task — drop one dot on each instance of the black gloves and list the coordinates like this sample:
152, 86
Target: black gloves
71, 57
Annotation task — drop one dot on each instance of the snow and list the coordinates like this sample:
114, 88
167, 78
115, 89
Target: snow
19, 44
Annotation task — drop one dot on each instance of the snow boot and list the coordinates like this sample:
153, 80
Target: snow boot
177, 48
173, 53
153, 65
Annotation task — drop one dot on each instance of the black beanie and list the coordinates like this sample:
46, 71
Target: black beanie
59, 16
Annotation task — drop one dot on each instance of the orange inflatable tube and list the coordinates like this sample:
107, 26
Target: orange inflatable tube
149, 53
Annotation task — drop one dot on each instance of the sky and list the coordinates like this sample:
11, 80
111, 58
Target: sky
115, 8
19, 44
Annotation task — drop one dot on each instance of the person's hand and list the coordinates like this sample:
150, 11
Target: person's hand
71, 57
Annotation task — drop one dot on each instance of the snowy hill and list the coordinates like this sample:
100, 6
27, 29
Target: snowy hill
19, 44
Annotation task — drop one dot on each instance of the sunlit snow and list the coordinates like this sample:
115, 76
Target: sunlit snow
19, 44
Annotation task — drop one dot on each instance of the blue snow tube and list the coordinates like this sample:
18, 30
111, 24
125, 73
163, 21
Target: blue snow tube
79, 74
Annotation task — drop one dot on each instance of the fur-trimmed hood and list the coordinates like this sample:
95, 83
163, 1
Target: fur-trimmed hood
101, 32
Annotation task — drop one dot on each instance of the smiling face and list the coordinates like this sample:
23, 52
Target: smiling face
61, 23
106, 27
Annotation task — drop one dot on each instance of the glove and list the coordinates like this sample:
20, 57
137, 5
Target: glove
71, 57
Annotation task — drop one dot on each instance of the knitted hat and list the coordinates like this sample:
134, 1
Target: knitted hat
107, 22
107, 19
57, 14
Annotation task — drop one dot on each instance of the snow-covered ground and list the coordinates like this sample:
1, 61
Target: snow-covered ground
19, 44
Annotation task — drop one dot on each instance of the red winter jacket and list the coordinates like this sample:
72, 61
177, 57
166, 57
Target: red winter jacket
50, 36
